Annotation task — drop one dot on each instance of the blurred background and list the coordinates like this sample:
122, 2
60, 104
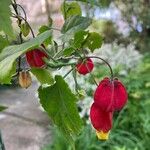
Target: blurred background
125, 26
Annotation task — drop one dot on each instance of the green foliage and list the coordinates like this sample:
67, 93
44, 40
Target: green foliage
79, 38
85, 39
87, 140
73, 25
131, 126
5, 21
108, 30
45, 28
139, 29
59, 102
3, 42
42, 75
25, 29
94, 41
2, 108
70, 9
68, 51
11, 53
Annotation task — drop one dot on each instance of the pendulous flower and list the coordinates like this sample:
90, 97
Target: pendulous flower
110, 95
84, 67
101, 121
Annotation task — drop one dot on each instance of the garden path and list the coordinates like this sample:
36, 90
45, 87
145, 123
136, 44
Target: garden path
23, 125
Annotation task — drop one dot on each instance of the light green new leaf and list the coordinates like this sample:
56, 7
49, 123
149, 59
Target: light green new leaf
25, 29
3, 42
68, 51
60, 104
2, 108
73, 25
94, 41
42, 75
79, 38
70, 9
11, 53
5, 21
43, 29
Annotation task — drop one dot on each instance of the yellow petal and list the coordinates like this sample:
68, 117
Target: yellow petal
102, 135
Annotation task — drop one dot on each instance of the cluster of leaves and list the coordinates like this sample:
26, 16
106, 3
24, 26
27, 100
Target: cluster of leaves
55, 95
131, 129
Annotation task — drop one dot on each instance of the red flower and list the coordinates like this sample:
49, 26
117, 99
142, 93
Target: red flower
101, 120
84, 67
35, 58
110, 95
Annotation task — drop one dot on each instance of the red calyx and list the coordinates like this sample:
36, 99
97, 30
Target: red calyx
84, 67
101, 120
35, 58
110, 95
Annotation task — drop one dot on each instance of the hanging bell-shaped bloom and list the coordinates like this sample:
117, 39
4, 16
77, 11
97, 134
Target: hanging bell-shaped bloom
110, 95
84, 67
101, 121
35, 58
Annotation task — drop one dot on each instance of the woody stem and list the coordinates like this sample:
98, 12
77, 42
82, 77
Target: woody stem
110, 68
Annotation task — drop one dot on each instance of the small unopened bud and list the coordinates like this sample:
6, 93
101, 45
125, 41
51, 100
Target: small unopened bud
25, 79
81, 94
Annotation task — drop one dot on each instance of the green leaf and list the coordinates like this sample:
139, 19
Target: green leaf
74, 24
5, 21
25, 29
11, 53
68, 51
2, 108
43, 29
3, 42
70, 9
60, 104
79, 38
94, 41
42, 75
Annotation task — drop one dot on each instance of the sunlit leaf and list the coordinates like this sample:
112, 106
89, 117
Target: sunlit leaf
42, 75
11, 53
68, 51
5, 21
60, 104
94, 41
73, 25
25, 29
70, 9
3, 42
79, 38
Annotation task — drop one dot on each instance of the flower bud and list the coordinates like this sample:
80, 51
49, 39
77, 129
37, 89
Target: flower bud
84, 67
25, 79
35, 58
